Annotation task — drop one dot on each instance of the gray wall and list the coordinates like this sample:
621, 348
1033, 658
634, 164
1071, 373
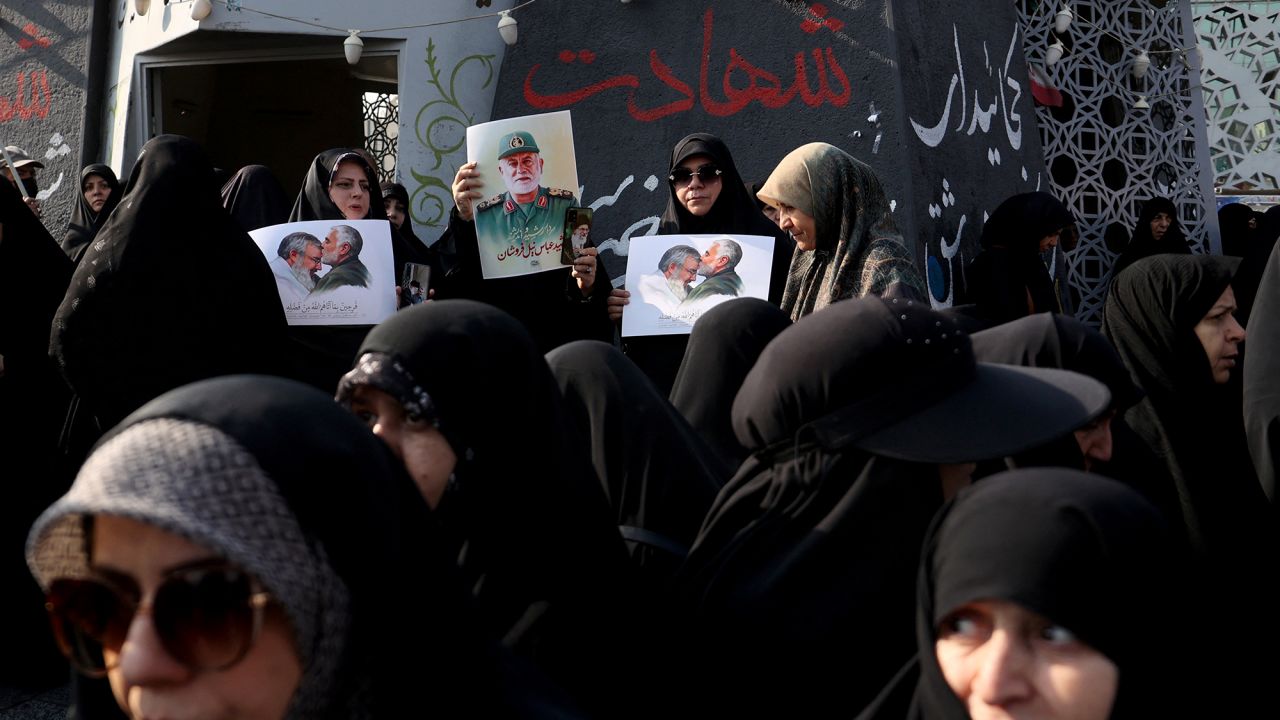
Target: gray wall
44, 51
650, 72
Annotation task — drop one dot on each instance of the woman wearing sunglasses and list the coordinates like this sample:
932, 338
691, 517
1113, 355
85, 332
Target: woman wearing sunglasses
243, 547
847, 244
707, 196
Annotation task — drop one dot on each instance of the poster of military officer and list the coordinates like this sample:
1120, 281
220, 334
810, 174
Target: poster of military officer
680, 277
331, 272
530, 175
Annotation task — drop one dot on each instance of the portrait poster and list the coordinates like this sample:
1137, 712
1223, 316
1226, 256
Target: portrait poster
530, 177
674, 279
332, 272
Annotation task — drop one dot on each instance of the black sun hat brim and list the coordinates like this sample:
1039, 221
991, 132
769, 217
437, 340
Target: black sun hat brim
1003, 411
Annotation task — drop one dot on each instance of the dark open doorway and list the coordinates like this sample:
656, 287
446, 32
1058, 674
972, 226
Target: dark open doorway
279, 113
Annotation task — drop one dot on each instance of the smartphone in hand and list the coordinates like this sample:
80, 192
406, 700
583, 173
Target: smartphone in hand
577, 233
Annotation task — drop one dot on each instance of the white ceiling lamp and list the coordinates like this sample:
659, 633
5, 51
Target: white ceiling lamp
353, 46
1141, 64
1142, 103
1054, 53
201, 9
1063, 19
507, 28
141, 6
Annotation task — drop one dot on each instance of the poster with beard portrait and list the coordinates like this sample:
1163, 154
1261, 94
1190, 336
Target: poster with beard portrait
530, 180
332, 272
674, 279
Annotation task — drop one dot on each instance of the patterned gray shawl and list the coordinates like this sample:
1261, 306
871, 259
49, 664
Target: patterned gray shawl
859, 249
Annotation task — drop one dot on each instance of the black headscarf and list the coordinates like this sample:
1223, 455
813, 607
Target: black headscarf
34, 274
322, 354
416, 250
137, 321
253, 197
658, 475
1009, 268
85, 223
734, 212
1233, 224
398, 191
723, 347
1142, 244
528, 520
378, 583
1084, 552
1248, 279
1058, 341
1187, 420
813, 535
1262, 382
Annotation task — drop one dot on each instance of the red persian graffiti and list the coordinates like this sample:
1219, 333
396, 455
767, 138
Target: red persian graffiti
28, 104
761, 86
816, 18
33, 38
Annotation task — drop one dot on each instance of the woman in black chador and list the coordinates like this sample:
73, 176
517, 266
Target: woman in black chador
99, 195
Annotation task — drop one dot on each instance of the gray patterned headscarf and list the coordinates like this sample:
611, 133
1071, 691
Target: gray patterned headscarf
859, 249
195, 481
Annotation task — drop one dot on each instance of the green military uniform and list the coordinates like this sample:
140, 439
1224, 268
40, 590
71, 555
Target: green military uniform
530, 233
725, 283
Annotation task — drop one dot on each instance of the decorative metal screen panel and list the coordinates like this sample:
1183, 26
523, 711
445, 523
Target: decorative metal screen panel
382, 130
1241, 77
1106, 157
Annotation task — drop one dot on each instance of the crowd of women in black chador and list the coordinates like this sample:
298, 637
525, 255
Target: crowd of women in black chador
837, 502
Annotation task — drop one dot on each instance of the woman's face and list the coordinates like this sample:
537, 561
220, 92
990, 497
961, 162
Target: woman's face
1221, 335
395, 211
699, 195
96, 191
146, 680
349, 190
1004, 661
1050, 240
1160, 224
425, 452
800, 224
1094, 440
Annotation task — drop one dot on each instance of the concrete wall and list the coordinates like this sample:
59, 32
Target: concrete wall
44, 56
770, 75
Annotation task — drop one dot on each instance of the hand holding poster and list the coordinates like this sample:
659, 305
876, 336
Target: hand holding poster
331, 272
530, 175
674, 279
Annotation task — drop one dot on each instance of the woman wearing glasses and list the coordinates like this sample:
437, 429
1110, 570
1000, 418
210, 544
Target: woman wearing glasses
707, 196
847, 243
214, 559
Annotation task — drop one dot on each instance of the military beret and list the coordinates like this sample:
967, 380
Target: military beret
516, 142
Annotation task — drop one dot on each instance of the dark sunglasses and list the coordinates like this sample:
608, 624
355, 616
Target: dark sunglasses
206, 617
682, 176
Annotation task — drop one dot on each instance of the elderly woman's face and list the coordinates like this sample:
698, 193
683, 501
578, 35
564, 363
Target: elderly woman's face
800, 224
1004, 661
146, 678
422, 448
349, 190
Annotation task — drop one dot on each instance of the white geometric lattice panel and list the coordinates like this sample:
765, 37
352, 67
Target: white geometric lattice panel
1106, 157
1241, 77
